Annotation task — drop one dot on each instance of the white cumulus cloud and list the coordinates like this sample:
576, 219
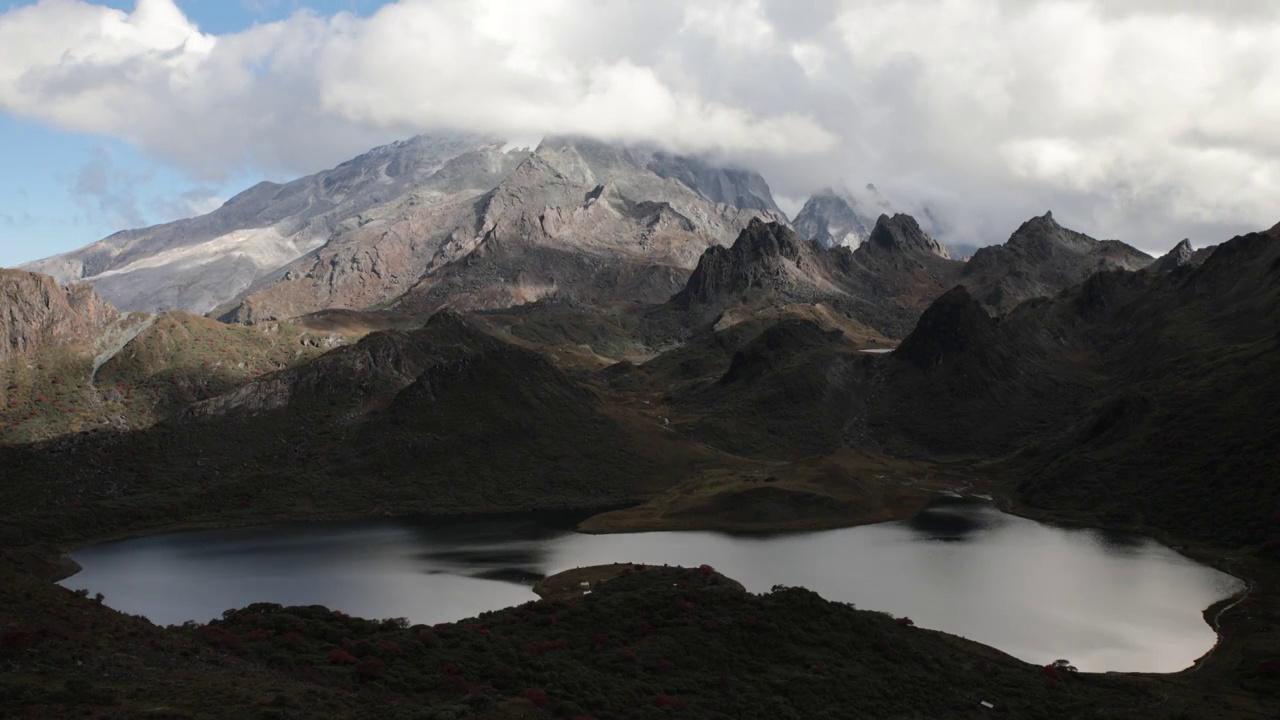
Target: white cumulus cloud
1143, 120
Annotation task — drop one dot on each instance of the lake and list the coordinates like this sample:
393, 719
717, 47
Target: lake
1104, 601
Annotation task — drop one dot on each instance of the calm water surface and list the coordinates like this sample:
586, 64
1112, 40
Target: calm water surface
1104, 601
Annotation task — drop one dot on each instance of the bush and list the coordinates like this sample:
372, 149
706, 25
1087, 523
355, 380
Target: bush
341, 657
536, 696
15, 640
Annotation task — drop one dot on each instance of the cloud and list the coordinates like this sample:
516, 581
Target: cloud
193, 202
1144, 120
107, 193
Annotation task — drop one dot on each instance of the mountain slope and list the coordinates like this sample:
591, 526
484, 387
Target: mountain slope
199, 263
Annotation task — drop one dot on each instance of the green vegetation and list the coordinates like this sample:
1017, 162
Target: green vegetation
176, 360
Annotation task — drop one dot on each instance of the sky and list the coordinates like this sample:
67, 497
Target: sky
1143, 120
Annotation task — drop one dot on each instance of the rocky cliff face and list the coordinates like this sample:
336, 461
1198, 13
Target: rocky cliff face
36, 312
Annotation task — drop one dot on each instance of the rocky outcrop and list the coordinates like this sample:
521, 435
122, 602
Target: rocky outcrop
884, 284
1182, 255
765, 256
36, 312
902, 234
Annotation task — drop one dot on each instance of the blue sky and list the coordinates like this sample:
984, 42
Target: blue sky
49, 200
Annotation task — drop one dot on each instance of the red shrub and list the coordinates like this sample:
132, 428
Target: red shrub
536, 696
292, 639
427, 638
1269, 668
388, 646
1051, 672
15, 640
258, 635
666, 701
223, 638
706, 570
341, 657
371, 668
627, 654
663, 664
709, 625
449, 669
906, 622
545, 646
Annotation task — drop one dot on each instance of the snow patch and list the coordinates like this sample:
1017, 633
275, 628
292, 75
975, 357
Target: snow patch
265, 247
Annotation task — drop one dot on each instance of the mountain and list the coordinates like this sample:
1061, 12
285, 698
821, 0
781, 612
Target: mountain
1180, 256
199, 263
1086, 394
902, 234
36, 312
884, 284
572, 218
1041, 258
367, 231
833, 217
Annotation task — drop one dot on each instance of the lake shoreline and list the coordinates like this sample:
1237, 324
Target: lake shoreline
612, 552
1215, 658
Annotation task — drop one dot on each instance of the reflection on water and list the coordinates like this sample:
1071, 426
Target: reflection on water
1105, 601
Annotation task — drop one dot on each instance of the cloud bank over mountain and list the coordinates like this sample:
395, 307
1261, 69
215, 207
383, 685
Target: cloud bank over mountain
1149, 123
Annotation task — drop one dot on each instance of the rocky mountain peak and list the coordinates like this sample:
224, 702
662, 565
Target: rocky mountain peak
1180, 255
1043, 231
836, 216
902, 234
756, 259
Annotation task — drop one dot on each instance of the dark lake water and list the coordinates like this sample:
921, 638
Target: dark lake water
1104, 601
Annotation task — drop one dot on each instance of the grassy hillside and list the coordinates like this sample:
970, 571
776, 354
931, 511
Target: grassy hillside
175, 360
